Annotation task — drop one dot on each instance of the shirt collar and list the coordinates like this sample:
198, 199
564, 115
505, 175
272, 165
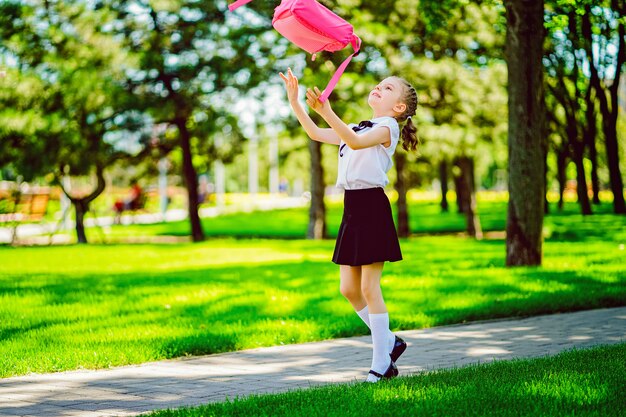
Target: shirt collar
381, 118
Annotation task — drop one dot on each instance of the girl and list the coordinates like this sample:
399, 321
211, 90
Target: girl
367, 235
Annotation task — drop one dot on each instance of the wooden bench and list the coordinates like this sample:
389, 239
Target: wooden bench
22, 208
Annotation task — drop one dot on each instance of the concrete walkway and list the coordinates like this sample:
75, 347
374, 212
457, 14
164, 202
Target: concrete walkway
132, 390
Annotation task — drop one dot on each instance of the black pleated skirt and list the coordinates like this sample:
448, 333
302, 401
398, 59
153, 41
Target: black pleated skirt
367, 233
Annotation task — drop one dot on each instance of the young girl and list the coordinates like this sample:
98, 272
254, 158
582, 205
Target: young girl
367, 235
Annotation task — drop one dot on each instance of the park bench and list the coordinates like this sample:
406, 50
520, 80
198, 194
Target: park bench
20, 208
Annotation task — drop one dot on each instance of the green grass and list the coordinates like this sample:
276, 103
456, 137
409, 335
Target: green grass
96, 306
425, 218
575, 383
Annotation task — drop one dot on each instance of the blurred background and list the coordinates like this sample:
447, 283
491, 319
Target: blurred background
115, 112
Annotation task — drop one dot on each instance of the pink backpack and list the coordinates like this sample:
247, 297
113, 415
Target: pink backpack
313, 28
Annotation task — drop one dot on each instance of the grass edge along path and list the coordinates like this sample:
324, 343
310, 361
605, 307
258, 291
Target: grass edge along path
580, 382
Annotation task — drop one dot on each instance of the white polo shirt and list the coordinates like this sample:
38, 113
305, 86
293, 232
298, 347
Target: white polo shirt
367, 168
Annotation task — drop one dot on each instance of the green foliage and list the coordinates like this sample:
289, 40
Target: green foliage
456, 68
66, 101
193, 59
573, 54
63, 96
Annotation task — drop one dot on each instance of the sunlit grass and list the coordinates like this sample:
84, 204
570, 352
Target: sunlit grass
588, 382
96, 306
425, 218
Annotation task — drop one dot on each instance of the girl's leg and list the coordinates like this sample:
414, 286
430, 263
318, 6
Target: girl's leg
350, 286
370, 287
378, 317
375, 296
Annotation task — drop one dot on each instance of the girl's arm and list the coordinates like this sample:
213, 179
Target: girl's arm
366, 140
316, 133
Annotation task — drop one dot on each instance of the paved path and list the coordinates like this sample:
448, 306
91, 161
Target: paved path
132, 390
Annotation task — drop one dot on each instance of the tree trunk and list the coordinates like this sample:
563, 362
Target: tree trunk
81, 205
191, 182
462, 193
466, 165
443, 177
581, 181
561, 166
595, 181
609, 114
317, 211
546, 203
577, 151
612, 154
591, 132
524, 52
403, 211
610, 127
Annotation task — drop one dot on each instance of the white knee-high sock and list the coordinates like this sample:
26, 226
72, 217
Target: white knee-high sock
379, 324
365, 316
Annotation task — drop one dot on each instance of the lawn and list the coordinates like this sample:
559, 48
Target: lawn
96, 306
425, 218
587, 382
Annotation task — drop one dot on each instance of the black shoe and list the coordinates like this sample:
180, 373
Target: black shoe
398, 349
391, 372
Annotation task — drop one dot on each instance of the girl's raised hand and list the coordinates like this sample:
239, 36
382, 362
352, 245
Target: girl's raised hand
313, 101
291, 84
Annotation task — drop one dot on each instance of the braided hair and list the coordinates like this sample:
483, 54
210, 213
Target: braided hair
410, 141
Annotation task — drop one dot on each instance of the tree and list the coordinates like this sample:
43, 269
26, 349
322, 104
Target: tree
191, 57
464, 113
566, 83
523, 52
570, 81
527, 147
443, 179
66, 96
600, 31
445, 50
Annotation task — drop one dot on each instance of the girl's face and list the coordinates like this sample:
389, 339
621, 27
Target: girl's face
385, 98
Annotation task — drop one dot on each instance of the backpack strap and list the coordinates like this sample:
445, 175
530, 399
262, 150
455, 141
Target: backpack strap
356, 45
237, 4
